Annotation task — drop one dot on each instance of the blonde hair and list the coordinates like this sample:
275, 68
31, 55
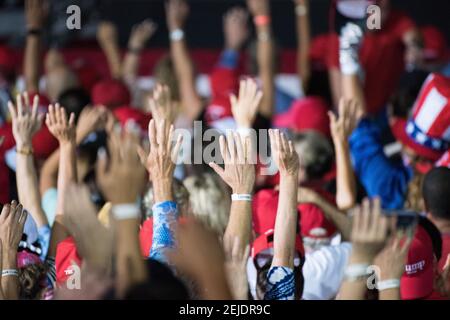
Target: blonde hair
209, 200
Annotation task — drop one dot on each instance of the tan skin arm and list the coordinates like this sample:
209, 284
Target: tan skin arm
303, 43
107, 38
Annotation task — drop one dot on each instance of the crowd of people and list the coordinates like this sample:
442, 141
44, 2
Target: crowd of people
104, 196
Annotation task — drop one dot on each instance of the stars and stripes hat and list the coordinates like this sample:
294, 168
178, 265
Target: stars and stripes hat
427, 132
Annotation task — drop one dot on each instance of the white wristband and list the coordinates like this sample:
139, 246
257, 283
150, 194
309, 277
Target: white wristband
241, 197
388, 284
125, 211
10, 272
177, 35
355, 272
301, 10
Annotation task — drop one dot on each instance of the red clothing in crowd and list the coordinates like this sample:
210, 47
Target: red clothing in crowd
382, 58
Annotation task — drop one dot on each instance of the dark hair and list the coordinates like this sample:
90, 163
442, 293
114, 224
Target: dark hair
74, 100
30, 280
436, 192
319, 86
161, 285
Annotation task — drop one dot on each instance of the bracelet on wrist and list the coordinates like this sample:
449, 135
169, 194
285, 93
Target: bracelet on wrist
27, 151
125, 211
10, 272
34, 32
134, 50
388, 284
176, 35
356, 272
261, 20
263, 36
241, 197
301, 10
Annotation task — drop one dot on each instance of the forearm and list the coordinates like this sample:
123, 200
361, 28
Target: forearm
184, 70
10, 284
354, 289
334, 78
286, 223
265, 59
214, 286
131, 268
240, 222
67, 172
49, 172
32, 62
131, 66
390, 294
353, 89
345, 179
304, 41
112, 53
27, 186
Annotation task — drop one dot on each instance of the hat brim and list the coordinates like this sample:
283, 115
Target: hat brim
398, 128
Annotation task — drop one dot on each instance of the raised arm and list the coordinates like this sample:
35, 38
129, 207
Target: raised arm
12, 222
177, 12
260, 10
108, 40
341, 128
26, 122
36, 12
140, 34
64, 130
287, 160
303, 41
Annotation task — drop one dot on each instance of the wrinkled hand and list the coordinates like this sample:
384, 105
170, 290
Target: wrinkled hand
12, 222
161, 160
177, 12
392, 259
284, 154
235, 28
239, 172
258, 7
62, 129
91, 119
245, 107
25, 120
36, 12
350, 113
369, 231
141, 33
236, 267
107, 33
161, 105
121, 176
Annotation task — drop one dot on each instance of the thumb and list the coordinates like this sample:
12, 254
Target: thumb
217, 169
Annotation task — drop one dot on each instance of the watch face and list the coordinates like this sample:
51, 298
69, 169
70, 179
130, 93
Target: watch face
354, 11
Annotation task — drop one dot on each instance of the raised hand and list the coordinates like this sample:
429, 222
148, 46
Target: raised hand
177, 12
161, 105
283, 153
258, 7
91, 119
25, 120
245, 107
161, 160
369, 231
59, 126
36, 12
12, 222
236, 267
238, 172
141, 33
350, 112
235, 28
121, 176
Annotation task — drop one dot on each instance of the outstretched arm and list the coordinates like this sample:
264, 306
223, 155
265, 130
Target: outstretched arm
260, 10
177, 12
107, 38
303, 41
36, 12
26, 122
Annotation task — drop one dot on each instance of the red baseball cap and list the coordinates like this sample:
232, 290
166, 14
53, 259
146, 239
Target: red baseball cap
316, 229
110, 93
127, 113
418, 279
435, 44
265, 241
86, 73
66, 255
224, 82
310, 113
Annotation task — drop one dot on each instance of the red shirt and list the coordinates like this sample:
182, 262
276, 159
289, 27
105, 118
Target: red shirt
382, 57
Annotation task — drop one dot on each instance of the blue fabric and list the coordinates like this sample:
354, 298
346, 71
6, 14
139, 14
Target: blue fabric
165, 216
379, 176
283, 101
48, 202
280, 284
44, 239
229, 59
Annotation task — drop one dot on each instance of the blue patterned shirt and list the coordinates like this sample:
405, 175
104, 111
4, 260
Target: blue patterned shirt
280, 284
